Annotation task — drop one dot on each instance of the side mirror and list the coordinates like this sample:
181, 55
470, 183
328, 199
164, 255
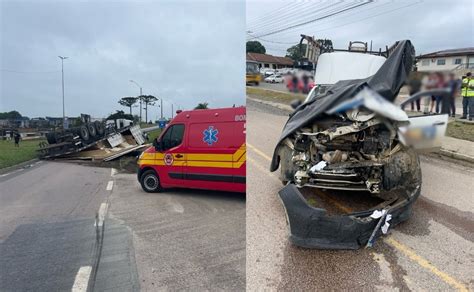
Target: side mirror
295, 103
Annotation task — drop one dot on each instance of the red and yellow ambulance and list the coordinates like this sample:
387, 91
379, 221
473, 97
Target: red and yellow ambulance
202, 149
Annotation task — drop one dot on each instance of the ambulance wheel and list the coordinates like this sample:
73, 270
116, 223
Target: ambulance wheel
150, 182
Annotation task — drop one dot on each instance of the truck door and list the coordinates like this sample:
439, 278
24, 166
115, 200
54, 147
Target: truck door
172, 157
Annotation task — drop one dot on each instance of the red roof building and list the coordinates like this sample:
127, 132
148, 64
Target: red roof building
269, 61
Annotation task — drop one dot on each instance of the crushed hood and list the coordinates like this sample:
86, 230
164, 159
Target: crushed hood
386, 82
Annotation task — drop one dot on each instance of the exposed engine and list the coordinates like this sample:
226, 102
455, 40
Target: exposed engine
345, 152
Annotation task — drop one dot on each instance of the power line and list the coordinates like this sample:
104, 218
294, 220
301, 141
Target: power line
316, 19
371, 16
335, 18
269, 14
300, 16
293, 11
291, 35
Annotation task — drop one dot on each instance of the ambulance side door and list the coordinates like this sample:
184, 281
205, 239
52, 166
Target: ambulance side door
172, 155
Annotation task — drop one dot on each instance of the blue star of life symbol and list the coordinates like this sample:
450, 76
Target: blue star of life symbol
210, 135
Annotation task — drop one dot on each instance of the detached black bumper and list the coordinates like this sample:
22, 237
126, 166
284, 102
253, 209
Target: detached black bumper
312, 228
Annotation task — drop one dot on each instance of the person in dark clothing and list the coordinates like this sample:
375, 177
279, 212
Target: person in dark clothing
17, 139
305, 83
294, 81
454, 85
415, 85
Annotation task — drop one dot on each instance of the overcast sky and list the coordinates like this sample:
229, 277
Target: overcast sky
184, 51
431, 25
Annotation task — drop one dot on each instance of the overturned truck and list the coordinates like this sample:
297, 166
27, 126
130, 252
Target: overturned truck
92, 140
353, 143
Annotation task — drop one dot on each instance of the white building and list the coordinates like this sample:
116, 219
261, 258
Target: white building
448, 60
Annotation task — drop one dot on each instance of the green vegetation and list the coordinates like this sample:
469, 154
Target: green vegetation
202, 105
153, 135
10, 115
274, 96
460, 130
255, 47
11, 155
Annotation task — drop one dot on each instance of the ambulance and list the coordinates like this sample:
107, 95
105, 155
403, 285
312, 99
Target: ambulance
199, 149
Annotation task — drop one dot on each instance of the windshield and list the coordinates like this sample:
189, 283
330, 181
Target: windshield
252, 68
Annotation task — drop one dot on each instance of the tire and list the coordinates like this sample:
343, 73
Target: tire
150, 182
99, 127
91, 129
256, 83
84, 133
51, 137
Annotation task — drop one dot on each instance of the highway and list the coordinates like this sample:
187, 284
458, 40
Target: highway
47, 225
50, 239
433, 250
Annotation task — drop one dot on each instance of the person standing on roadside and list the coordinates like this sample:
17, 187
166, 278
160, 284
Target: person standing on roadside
440, 83
454, 84
467, 92
415, 85
17, 139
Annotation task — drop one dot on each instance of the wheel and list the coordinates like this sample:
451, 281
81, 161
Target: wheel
150, 182
91, 128
84, 133
99, 127
51, 137
256, 83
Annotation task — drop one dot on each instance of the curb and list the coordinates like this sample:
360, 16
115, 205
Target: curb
278, 105
18, 166
456, 155
444, 152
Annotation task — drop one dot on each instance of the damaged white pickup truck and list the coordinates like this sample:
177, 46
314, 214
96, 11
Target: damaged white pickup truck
353, 139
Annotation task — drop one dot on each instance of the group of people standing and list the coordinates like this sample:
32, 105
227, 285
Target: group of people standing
436, 104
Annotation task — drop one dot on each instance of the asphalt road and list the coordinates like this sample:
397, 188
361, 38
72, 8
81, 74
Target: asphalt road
47, 233
433, 250
183, 239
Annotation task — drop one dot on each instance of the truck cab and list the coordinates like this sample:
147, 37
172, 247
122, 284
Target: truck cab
199, 149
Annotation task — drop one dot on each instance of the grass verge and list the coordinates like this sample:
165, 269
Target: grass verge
274, 96
11, 155
460, 130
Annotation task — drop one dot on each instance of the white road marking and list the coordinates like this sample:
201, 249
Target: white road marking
82, 279
113, 171
9, 173
101, 216
20, 169
110, 185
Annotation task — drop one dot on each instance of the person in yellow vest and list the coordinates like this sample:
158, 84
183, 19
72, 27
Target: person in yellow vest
467, 92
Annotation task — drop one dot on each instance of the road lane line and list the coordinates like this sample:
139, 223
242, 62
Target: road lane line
101, 215
82, 279
259, 152
425, 264
110, 185
411, 254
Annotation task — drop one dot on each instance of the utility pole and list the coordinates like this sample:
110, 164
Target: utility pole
172, 111
141, 93
65, 126
161, 107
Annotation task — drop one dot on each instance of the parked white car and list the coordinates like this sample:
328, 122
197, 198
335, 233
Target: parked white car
274, 79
